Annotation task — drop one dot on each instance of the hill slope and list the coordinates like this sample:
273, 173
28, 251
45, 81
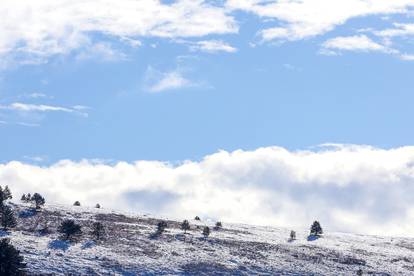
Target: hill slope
131, 249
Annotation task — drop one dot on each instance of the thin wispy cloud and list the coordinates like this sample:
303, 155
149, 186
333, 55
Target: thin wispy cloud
157, 81
24, 107
212, 46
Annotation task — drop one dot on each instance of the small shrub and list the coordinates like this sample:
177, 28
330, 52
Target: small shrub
76, 203
197, 218
161, 226
206, 231
11, 262
96, 206
69, 229
185, 225
292, 235
98, 230
218, 226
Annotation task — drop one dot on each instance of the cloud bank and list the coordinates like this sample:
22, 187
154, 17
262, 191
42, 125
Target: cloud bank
348, 188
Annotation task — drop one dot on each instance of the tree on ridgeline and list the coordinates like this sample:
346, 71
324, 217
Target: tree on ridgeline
98, 230
7, 193
38, 200
161, 227
316, 229
8, 220
97, 205
23, 198
69, 229
185, 225
206, 231
218, 226
28, 197
11, 262
292, 235
197, 218
76, 203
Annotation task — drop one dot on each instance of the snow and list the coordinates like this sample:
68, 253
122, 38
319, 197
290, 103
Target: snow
130, 248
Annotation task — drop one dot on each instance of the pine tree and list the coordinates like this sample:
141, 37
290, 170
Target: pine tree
316, 229
97, 205
69, 229
38, 200
218, 226
76, 203
206, 231
23, 198
161, 226
8, 220
185, 225
292, 235
98, 230
28, 197
7, 193
11, 263
197, 218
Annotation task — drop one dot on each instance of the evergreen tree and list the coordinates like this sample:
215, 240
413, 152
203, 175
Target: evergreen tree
218, 226
161, 226
70, 229
8, 220
98, 230
197, 218
38, 200
7, 193
28, 197
23, 198
97, 205
77, 203
206, 231
316, 229
292, 235
11, 263
185, 225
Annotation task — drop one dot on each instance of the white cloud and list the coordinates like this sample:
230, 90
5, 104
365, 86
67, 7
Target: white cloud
212, 46
157, 81
306, 18
407, 57
38, 29
24, 107
170, 80
348, 188
360, 43
102, 52
399, 30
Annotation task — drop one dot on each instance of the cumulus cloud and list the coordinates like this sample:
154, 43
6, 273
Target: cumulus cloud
360, 43
348, 188
46, 27
307, 18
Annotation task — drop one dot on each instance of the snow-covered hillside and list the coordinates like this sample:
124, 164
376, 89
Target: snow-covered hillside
131, 249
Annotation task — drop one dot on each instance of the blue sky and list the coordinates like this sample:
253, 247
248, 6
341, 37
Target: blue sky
214, 108
256, 93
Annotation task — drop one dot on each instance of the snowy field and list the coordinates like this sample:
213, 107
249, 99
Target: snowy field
130, 248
